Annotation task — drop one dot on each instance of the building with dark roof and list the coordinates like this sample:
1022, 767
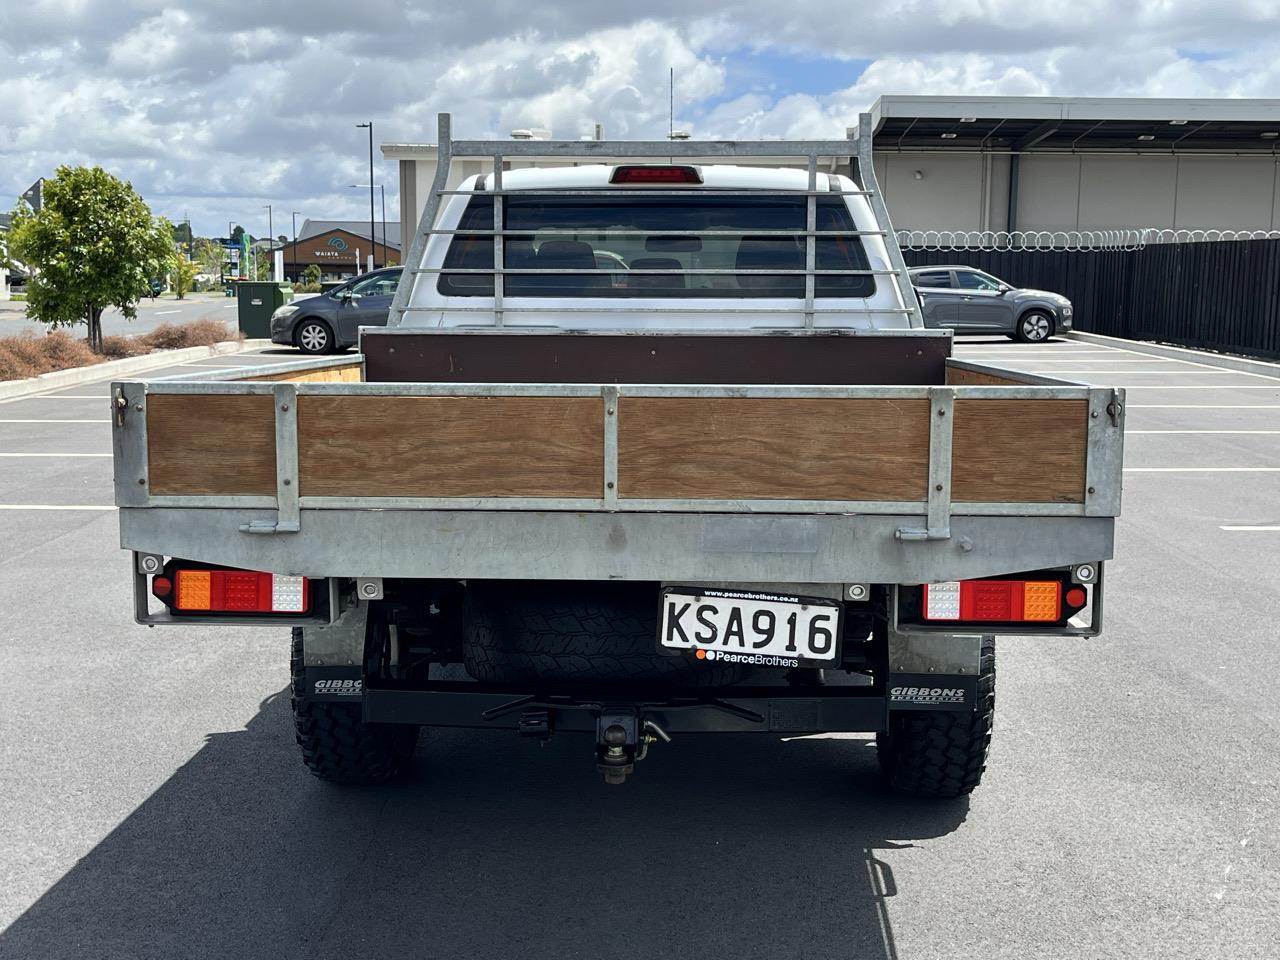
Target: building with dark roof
340, 248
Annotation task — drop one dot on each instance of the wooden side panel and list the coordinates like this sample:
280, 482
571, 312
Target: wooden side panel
773, 449
211, 445
959, 377
450, 446
1021, 451
350, 373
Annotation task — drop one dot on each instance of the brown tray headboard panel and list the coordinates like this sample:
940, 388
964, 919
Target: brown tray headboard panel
529, 357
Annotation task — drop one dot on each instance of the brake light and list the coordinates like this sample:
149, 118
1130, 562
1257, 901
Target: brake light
233, 591
995, 601
655, 174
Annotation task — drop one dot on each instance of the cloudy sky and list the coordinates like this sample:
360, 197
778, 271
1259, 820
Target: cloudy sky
219, 108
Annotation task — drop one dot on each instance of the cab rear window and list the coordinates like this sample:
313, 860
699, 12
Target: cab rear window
648, 250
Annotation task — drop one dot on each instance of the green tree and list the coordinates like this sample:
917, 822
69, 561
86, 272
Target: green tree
210, 255
311, 275
237, 235
184, 275
94, 244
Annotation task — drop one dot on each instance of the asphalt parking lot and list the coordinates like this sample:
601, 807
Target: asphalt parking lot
154, 805
151, 314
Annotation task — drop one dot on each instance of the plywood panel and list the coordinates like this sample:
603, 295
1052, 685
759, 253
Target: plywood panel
960, 377
773, 449
211, 445
1021, 451
347, 374
450, 446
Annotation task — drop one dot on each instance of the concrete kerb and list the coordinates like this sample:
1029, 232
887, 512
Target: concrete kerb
61, 379
1243, 364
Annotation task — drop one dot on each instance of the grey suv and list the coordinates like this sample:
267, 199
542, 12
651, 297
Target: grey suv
332, 321
969, 301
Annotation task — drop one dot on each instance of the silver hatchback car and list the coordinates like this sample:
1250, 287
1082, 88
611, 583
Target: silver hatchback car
967, 300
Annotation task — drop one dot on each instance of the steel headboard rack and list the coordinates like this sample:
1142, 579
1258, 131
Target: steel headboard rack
499, 151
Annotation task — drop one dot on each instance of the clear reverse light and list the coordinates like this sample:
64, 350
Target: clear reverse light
288, 594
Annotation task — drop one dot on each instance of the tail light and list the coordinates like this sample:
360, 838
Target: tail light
1000, 601
654, 175
231, 591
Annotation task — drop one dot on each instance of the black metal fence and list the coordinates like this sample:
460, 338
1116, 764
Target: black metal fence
1221, 295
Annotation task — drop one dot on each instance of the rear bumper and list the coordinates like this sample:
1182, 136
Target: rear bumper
733, 710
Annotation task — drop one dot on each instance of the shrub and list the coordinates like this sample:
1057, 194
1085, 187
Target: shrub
30, 356
199, 333
118, 348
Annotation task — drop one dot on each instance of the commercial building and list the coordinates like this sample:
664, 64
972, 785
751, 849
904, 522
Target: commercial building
998, 164
340, 248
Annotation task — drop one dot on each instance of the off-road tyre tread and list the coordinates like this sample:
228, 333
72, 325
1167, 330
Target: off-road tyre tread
941, 754
337, 745
576, 634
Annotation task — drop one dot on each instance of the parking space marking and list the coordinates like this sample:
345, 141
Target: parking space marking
53, 506
165, 313
19, 455
1201, 386
1063, 360
1261, 529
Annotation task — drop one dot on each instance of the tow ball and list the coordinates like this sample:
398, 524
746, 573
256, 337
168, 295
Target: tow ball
622, 741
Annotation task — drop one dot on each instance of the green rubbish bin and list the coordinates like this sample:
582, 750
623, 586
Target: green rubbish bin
257, 302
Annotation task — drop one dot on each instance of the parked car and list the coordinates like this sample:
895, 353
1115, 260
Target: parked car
332, 320
967, 300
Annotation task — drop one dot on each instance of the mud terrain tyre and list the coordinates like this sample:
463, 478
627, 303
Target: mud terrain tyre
575, 633
941, 754
337, 745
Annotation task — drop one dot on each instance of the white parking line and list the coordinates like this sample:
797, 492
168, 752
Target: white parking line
1252, 529
165, 313
55, 421
1201, 386
1036, 360
1030, 368
52, 506
1133, 432
1202, 469
19, 455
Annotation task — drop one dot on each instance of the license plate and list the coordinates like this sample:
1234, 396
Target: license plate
748, 627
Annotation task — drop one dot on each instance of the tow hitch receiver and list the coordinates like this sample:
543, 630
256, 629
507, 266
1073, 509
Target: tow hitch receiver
622, 741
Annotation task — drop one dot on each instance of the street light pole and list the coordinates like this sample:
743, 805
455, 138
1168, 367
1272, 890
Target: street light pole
372, 235
294, 214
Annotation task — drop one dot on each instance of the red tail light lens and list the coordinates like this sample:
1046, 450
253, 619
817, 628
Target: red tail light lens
994, 601
655, 175
232, 591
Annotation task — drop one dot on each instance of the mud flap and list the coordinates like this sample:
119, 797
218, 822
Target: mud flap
933, 671
333, 658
